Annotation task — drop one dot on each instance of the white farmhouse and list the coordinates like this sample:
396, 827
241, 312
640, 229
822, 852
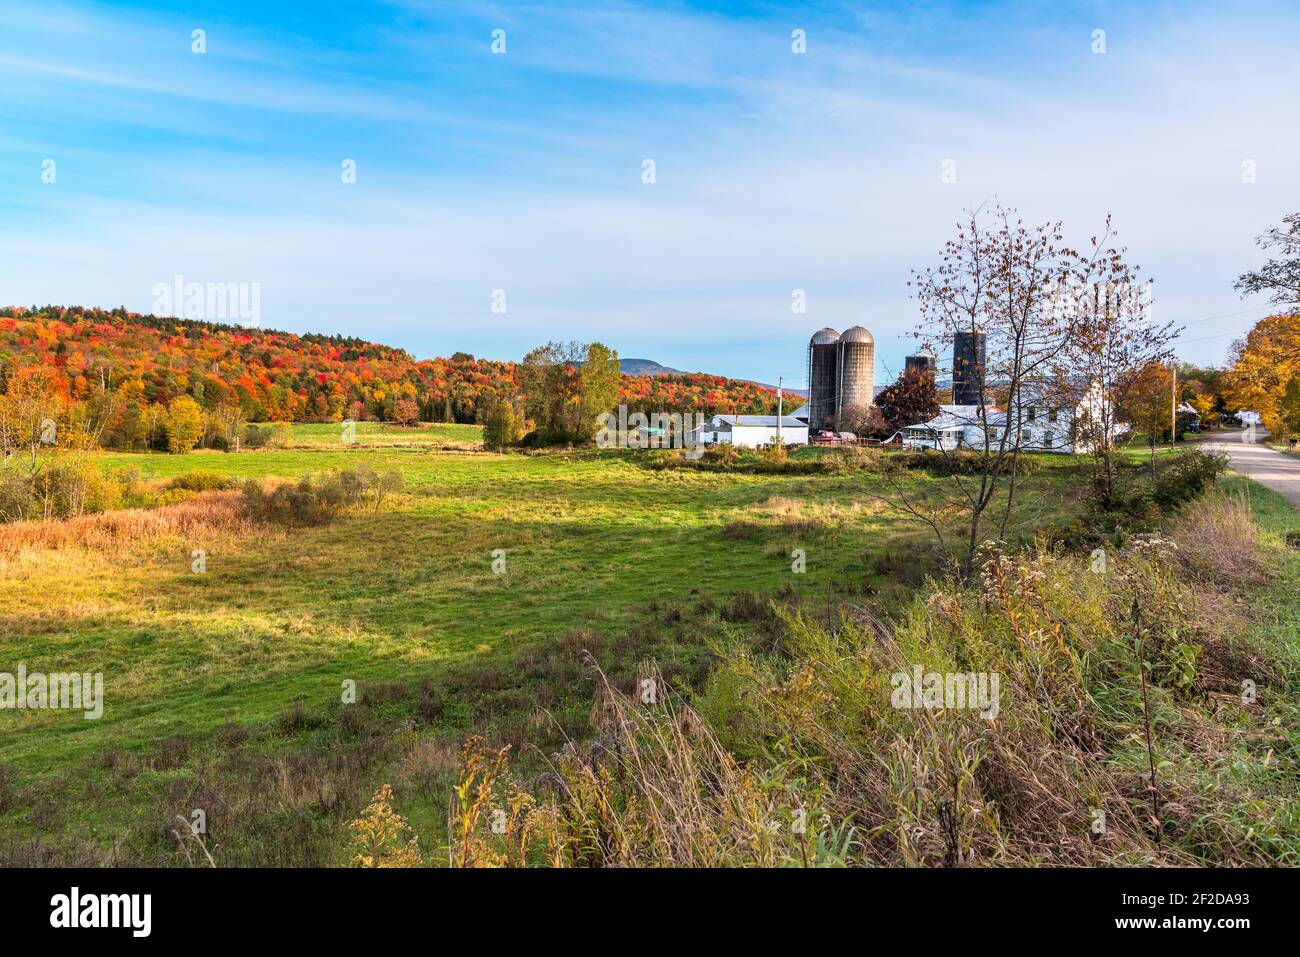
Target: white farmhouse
1043, 420
753, 431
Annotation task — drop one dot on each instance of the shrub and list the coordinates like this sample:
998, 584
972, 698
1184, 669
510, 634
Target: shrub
64, 488
776, 454
961, 462
316, 499
16, 500
201, 481
257, 436
1186, 476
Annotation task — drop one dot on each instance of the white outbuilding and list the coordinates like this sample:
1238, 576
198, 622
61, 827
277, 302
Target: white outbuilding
753, 431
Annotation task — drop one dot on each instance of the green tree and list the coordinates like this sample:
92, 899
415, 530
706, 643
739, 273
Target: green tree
566, 385
600, 380
183, 424
502, 426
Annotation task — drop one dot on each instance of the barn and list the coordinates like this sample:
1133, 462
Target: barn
753, 431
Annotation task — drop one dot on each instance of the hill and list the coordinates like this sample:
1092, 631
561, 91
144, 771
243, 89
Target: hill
270, 375
644, 367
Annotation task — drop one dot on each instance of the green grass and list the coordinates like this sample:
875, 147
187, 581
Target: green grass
594, 543
328, 435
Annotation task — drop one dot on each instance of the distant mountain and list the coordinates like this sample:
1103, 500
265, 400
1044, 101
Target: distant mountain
650, 367
646, 367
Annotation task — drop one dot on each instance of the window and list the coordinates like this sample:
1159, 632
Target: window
1030, 416
1051, 415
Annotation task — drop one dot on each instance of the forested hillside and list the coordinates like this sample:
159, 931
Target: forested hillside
141, 364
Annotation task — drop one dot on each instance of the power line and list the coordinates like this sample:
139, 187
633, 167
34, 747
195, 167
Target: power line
1228, 315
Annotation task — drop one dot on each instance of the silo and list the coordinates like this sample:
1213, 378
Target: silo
856, 358
925, 359
968, 368
822, 378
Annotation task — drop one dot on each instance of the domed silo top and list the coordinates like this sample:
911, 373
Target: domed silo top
858, 334
825, 337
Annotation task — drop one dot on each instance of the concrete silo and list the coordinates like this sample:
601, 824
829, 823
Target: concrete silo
968, 360
823, 378
925, 359
856, 359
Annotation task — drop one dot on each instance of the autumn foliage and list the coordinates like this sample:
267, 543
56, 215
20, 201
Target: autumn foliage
237, 375
1264, 374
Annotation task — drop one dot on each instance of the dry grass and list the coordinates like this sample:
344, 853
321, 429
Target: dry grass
654, 789
207, 512
789, 516
1218, 541
802, 758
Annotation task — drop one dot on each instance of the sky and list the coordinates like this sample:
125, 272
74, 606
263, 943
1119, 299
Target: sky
501, 198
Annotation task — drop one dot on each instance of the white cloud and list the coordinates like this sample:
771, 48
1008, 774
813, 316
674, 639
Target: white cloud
775, 173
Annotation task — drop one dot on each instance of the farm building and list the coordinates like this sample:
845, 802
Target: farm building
753, 431
955, 427
1044, 418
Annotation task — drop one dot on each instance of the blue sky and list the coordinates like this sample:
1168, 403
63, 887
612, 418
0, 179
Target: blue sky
774, 171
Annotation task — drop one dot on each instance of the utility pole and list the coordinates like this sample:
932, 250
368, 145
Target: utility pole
780, 407
1173, 408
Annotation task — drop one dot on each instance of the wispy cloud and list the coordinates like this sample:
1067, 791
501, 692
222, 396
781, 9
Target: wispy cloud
774, 170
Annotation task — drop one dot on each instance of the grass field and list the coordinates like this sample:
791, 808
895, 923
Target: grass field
235, 673
587, 539
329, 435
590, 541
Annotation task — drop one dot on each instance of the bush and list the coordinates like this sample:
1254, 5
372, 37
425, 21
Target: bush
724, 457
63, 489
317, 499
1185, 477
961, 462
201, 481
257, 436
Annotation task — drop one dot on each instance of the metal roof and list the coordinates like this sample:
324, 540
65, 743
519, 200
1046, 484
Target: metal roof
857, 334
762, 421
